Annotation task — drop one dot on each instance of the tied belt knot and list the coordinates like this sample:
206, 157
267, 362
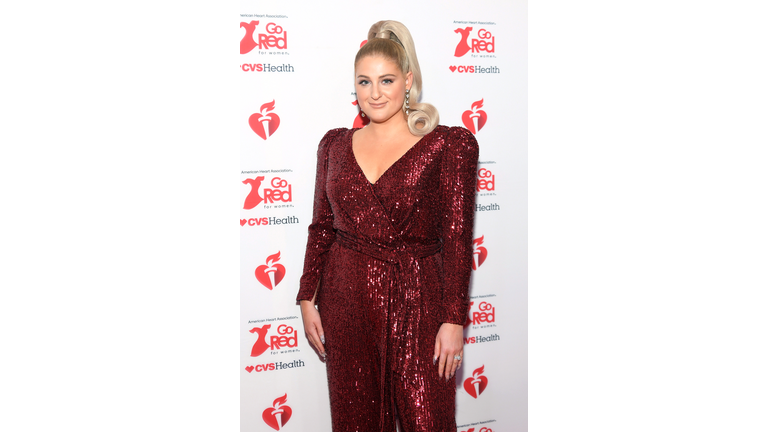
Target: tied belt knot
398, 254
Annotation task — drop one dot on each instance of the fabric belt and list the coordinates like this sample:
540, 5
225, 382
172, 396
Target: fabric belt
395, 255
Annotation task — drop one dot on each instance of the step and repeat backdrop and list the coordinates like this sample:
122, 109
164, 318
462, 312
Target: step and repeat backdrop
296, 73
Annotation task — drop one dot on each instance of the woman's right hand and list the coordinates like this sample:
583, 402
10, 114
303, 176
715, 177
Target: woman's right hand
312, 326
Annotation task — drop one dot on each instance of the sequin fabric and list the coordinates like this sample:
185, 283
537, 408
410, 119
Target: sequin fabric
391, 262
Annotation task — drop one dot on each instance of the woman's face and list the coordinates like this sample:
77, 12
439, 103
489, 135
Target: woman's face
380, 87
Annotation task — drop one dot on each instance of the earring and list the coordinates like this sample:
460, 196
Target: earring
407, 101
362, 114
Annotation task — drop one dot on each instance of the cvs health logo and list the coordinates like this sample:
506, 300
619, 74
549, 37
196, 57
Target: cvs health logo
264, 123
271, 273
479, 253
474, 118
278, 414
485, 314
277, 190
275, 37
480, 42
286, 337
476, 384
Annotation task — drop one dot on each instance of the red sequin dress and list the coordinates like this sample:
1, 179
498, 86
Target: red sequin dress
391, 262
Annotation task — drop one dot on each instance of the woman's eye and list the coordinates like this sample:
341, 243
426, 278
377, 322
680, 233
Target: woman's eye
387, 81
363, 82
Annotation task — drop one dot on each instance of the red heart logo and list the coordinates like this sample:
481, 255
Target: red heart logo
264, 127
271, 419
243, 221
249, 369
476, 378
480, 257
263, 277
469, 120
452, 68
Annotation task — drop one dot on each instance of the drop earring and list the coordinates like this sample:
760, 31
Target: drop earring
407, 101
362, 114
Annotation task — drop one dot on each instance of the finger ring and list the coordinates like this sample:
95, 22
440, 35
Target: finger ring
457, 357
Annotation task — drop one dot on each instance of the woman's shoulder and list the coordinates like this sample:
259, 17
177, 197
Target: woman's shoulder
334, 136
457, 136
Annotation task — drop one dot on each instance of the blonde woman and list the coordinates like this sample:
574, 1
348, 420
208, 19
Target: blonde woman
384, 291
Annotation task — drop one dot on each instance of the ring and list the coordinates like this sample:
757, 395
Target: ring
457, 357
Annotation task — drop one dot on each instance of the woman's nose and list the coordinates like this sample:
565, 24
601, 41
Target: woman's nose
375, 93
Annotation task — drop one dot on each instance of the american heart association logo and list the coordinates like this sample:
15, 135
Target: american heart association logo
476, 384
271, 273
265, 123
278, 414
475, 118
479, 253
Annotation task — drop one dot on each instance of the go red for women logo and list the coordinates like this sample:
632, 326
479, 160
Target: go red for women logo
265, 123
272, 37
474, 118
482, 429
479, 253
486, 180
476, 384
485, 314
278, 414
277, 190
480, 42
286, 337
271, 273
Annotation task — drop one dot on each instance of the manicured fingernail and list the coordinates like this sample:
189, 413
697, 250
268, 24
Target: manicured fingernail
434, 360
322, 339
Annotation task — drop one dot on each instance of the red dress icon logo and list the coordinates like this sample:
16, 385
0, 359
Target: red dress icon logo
261, 344
247, 43
479, 253
271, 273
265, 123
253, 199
279, 414
476, 384
463, 47
360, 121
475, 118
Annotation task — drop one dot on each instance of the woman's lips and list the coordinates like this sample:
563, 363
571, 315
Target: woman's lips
380, 105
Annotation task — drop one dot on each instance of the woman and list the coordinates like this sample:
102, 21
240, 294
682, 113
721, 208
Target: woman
389, 251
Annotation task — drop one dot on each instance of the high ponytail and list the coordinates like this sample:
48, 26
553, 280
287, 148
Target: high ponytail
400, 49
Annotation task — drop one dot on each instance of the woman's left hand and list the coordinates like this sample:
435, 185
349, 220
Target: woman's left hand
449, 344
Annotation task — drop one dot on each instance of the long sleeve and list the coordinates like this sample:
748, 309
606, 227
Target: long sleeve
457, 187
321, 233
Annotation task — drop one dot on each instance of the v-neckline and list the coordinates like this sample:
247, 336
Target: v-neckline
360, 169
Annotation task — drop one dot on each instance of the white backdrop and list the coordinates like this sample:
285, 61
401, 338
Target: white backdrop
296, 68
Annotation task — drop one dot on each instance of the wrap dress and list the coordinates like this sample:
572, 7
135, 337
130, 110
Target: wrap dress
391, 262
